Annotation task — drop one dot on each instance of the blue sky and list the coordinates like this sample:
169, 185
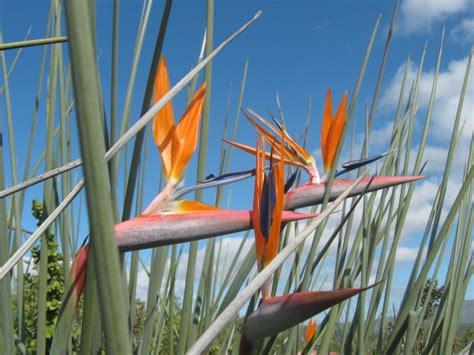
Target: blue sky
297, 49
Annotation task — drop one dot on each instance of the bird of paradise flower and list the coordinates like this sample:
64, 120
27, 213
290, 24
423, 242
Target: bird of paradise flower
175, 220
278, 313
179, 220
294, 154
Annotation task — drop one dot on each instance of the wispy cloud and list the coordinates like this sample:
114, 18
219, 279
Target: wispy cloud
407, 255
420, 15
450, 81
464, 31
229, 247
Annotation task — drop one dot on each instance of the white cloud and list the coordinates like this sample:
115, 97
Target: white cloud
143, 282
229, 249
391, 93
447, 99
449, 86
381, 136
406, 255
464, 31
420, 15
424, 194
444, 112
420, 208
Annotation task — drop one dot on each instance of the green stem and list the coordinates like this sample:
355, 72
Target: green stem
32, 42
185, 324
89, 109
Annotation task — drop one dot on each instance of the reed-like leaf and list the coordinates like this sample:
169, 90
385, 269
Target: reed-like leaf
86, 92
91, 330
32, 42
7, 344
227, 315
113, 168
48, 204
113, 150
185, 323
150, 114
16, 201
392, 342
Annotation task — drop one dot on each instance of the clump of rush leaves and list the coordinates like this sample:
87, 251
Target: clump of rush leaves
175, 314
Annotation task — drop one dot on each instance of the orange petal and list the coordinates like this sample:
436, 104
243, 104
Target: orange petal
163, 123
186, 136
289, 159
326, 126
335, 134
295, 154
305, 156
310, 331
280, 133
271, 138
271, 248
275, 131
259, 177
303, 153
